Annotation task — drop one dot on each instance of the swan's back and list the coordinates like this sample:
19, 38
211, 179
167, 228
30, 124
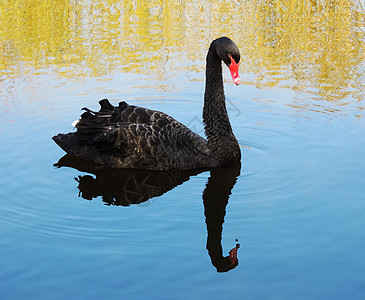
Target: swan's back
129, 136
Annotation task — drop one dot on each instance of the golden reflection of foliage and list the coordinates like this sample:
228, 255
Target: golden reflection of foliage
315, 46
319, 44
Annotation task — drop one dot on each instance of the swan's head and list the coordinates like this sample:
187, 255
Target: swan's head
228, 51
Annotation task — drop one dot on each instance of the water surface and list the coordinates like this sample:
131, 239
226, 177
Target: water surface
296, 205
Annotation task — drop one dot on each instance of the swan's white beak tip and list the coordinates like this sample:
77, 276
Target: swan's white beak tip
237, 80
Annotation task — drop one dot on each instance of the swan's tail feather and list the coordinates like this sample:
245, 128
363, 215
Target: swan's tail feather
101, 114
93, 120
93, 127
66, 142
101, 129
90, 119
107, 111
113, 133
97, 129
106, 106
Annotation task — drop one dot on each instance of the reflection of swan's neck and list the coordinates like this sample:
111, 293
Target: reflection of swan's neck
215, 199
218, 130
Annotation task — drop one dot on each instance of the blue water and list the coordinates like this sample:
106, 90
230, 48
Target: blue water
297, 208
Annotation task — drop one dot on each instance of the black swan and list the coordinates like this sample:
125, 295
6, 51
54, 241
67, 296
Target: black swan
139, 138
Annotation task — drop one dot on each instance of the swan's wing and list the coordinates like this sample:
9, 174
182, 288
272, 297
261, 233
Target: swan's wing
109, 114
142, 138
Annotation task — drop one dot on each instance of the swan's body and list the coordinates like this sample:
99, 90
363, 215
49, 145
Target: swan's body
139, 138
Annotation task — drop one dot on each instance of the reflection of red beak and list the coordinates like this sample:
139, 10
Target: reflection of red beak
233, 67
233, 253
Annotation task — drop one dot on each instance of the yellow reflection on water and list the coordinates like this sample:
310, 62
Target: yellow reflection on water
310, 46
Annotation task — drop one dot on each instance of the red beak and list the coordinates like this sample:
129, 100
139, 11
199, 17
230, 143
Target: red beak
233, 67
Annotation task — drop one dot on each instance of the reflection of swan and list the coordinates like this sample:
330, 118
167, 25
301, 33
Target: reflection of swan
138, 138
125, 187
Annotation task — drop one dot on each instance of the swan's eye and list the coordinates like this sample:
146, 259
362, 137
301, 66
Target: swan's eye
232, 59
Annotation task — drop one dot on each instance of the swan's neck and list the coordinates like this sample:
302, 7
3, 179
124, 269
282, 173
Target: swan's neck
218, 130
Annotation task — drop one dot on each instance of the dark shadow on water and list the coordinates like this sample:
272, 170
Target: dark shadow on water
125, 187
